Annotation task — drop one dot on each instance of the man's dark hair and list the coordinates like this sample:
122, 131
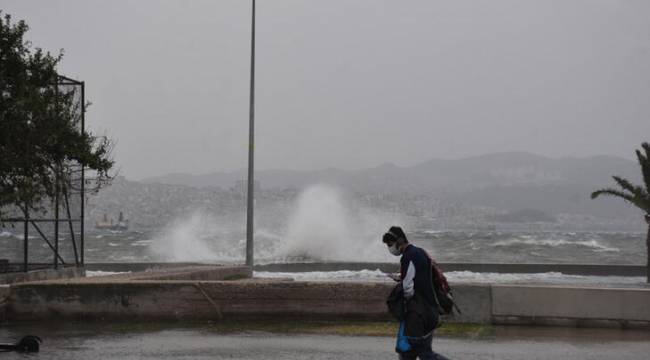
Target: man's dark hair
394, 234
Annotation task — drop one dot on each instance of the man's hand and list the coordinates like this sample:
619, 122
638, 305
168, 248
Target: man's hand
394, 277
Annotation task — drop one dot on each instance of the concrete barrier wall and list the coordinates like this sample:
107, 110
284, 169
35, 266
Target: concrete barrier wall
474, 302
153, 296
5, 291
142, 266
303, 299
197, 273
110, 301
40, 275
173, 300
556, 305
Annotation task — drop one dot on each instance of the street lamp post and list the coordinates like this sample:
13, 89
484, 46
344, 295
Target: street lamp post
251, 148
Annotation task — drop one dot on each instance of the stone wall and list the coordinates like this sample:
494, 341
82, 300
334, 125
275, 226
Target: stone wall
201, 294
40, 275
571, 306
185, 300
5, 290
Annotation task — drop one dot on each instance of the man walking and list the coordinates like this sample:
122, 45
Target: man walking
421, 316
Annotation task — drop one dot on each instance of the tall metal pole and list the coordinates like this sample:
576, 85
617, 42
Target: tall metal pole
26, 244
83, 179
251, 147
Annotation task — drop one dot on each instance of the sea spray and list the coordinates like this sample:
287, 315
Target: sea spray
325, 225
196, 238
321, 224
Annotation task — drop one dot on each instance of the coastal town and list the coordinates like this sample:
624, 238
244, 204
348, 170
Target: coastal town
153, 205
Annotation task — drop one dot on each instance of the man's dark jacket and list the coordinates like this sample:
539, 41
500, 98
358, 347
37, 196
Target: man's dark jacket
418, 319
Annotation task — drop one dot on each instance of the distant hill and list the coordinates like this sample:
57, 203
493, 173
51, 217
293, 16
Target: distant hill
446, 176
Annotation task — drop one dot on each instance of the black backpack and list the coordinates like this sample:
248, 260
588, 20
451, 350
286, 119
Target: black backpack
442, 291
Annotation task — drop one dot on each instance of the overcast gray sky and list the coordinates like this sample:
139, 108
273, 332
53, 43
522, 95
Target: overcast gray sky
350, 83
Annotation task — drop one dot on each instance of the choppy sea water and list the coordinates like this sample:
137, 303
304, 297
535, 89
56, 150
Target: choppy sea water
446, 246
522, 247
195, 242
323, 226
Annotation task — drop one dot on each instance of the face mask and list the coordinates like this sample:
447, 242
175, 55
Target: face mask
394, 250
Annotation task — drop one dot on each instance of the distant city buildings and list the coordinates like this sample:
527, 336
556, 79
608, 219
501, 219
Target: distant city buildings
153, 205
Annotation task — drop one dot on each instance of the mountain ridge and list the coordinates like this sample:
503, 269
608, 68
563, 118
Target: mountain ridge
490, 170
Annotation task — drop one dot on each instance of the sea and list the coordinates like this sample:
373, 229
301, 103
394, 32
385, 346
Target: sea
188, 244
323, 226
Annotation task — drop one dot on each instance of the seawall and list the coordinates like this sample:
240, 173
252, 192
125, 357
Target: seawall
567, 269
217, 292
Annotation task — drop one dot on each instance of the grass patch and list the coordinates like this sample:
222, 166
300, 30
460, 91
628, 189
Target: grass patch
345, 328
269, 325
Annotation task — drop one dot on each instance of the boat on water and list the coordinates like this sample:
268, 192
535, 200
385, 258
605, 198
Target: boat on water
110, 224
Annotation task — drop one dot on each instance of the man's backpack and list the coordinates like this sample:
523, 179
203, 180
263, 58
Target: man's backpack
442, 291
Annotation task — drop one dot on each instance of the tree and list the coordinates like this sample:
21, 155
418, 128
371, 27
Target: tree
636, 195
42, 147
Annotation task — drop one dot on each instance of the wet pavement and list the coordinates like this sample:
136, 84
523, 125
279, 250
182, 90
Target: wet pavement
92, 342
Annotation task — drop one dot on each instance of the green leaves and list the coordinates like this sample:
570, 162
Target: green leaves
42, 142
637, 195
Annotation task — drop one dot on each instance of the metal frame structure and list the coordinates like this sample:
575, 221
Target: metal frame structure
59, 228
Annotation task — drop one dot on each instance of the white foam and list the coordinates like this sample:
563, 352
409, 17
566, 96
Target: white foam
342, 275
528, 240
463, 277
321, 225
324, 226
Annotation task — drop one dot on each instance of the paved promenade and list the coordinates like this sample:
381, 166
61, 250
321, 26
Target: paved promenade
505, 343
